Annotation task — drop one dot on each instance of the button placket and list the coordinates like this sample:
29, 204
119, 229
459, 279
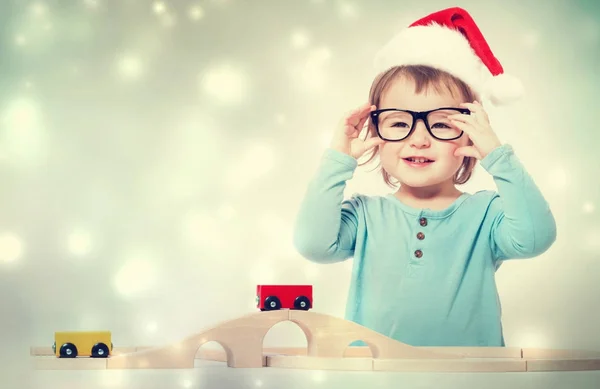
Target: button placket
420, 236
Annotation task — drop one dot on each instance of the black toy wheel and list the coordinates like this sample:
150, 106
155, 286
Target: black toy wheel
68, 350
302, 302
100, 350
272, 303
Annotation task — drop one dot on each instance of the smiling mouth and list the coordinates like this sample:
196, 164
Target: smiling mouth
418, 160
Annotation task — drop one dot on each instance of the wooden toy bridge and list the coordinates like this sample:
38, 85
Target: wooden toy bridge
328, 340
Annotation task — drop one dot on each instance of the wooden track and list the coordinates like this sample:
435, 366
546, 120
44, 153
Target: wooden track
327, 349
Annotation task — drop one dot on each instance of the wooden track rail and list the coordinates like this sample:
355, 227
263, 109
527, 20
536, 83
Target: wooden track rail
328, 340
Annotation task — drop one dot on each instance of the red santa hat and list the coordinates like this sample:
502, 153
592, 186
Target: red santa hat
450, 40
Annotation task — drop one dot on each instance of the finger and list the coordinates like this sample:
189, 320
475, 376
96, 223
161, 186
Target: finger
463, 118
350, 115
359, 116
478, 111
365, 117
471, 106
467, 151
468, 128
349, 130
372, 142
359, 111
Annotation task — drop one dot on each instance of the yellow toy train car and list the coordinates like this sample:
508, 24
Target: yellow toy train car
72, 344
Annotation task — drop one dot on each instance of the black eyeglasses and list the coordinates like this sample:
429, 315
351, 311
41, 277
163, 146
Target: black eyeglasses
394, 125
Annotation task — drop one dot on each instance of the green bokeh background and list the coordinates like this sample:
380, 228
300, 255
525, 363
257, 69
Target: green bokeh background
154, 153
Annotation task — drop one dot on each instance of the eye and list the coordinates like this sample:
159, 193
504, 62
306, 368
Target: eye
401, 123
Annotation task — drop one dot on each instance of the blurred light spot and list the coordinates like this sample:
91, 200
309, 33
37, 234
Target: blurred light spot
11, 247
151, 327
299, 39
195, 12
319, 56
588, 207
79, 243
348, 10
138, 275
531, 39
531, 337
559, 178
280, 118
38, 9
318, 376
311, 73
186, 383
258, 383
129, 67
91, 3
325, 136
20, 40
225, 83
21, 115
22, 129
254, 163
159, 7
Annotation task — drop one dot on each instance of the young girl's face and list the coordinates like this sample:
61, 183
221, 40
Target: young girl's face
420, 143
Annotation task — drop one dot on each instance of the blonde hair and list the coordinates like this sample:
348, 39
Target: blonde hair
424, 77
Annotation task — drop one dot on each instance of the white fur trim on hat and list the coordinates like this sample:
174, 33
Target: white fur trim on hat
447, 49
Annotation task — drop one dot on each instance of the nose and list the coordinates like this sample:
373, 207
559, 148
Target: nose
420, 137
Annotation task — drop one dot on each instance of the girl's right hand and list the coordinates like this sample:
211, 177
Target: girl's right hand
345, 138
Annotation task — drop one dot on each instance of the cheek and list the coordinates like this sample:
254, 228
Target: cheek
389, 151
448, 149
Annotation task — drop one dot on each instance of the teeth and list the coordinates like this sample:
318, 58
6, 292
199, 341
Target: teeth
418, 160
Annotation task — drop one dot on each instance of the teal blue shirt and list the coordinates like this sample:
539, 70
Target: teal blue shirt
425, 277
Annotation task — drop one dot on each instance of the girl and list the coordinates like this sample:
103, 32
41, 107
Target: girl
425, 256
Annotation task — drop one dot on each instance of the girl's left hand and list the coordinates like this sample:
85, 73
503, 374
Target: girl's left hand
477, 127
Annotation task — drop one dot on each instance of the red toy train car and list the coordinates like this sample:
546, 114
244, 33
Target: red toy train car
273, 297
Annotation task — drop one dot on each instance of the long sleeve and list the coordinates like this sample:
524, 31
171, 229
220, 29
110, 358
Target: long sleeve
326, 225
523, 225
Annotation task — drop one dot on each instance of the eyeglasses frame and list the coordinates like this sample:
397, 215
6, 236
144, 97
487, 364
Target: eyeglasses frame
416, 116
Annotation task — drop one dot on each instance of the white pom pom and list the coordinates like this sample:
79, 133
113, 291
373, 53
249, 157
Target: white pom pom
504, 89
